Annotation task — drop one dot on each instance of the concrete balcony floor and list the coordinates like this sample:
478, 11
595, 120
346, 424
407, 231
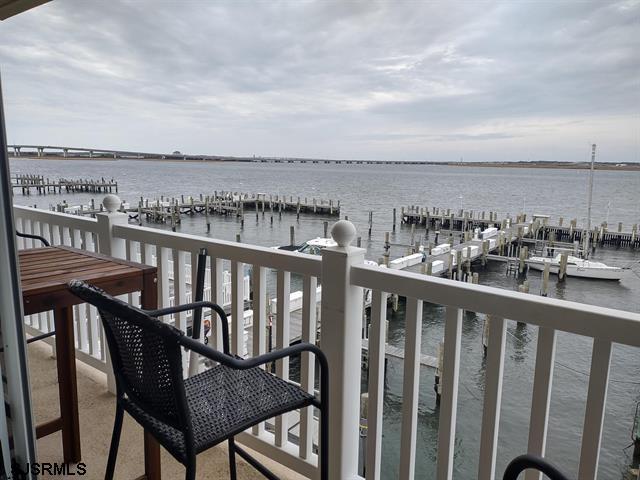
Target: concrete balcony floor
97, 410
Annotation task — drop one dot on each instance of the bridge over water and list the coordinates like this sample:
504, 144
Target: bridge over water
55, 151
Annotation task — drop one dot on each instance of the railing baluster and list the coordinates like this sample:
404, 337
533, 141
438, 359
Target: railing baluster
20, 228
179, 287
65, 236
27, 229
130, 250
76, 239
217, 282
377, 343
542, 381
492, 398
194, 358
87, 241
594, 413
282, 340
162, 255
45, 231
307, 362
52, 237
449, 400
79, 316
237, 308
93, 331
410, 388
259, 319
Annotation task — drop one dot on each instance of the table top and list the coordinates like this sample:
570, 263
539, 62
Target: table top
45, 274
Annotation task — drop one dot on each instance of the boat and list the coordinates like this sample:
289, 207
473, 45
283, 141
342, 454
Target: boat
579, 267
576, 266
315, 247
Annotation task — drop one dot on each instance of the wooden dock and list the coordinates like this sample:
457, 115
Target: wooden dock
41, 185
539, 227
170, 209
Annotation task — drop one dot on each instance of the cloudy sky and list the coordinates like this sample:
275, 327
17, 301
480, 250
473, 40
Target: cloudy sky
414, 80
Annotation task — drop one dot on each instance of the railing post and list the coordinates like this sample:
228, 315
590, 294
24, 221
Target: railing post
107, 243
341, 341
114, 247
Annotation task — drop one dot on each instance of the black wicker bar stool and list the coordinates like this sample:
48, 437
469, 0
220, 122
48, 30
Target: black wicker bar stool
189, 416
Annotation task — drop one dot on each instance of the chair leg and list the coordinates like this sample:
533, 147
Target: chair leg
324, 444
232, 459
115, 441
191, 470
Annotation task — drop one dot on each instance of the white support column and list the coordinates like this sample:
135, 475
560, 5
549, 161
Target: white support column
114, 247
340, 340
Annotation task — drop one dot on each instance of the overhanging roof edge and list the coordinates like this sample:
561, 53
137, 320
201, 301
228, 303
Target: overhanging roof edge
10, 8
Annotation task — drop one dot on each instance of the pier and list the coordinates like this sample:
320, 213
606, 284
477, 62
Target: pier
539, 227
41, 185
231, 203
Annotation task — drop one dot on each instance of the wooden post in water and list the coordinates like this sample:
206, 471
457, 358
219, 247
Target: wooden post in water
370, 222
485, 334
545, 279
206, 213
438, 385
485, 252
325, 226
292, 235
562, 272
394, 219
173, 218
387, 248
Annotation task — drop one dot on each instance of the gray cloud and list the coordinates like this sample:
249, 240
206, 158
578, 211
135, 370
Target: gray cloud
411, 80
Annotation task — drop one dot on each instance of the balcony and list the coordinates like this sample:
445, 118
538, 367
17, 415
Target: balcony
96, 422
291, 442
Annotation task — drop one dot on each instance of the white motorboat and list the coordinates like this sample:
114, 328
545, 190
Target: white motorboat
315, 247
578, 267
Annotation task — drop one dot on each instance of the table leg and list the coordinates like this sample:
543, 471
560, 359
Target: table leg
67, 384
151, 458
149, 301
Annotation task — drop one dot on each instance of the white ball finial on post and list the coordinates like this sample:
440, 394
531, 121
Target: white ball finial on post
343, 232
111, 203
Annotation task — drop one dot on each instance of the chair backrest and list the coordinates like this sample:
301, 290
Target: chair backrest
146, 356
43, 240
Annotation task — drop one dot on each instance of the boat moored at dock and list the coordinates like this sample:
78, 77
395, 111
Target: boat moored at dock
579, 267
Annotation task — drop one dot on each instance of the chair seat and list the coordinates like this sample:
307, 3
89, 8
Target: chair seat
224, 402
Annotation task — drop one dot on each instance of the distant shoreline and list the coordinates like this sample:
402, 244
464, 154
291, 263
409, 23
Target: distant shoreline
634, 166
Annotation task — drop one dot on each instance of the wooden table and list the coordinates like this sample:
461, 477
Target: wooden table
44, 274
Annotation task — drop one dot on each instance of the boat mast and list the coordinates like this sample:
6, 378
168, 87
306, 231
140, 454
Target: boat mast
588, 232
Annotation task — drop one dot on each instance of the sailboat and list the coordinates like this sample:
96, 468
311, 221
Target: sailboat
576, 266
579, 267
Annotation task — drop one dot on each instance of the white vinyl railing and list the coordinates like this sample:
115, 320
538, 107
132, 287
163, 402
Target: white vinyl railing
344, 277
